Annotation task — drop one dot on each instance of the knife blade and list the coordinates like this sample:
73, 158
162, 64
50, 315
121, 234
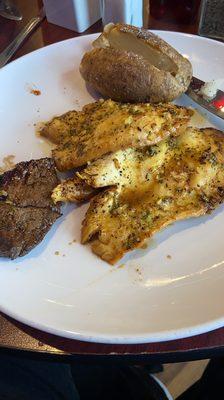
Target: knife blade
9, 10
214, 105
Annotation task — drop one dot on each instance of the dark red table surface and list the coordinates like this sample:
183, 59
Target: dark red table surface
14, 335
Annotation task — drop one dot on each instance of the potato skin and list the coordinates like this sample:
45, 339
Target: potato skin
128, 77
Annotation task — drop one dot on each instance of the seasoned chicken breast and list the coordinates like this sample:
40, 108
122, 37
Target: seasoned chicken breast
125, 167
61, 128
108, 126
73, 190
181, 177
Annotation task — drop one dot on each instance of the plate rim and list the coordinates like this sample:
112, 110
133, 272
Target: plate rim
158, 337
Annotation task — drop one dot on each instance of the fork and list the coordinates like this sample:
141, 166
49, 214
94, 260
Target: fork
20, 38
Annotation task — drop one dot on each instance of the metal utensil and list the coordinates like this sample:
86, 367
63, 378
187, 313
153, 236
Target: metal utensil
10, 50
9, 10
214, 105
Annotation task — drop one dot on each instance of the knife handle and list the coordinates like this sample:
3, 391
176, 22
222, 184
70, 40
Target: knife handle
19, 39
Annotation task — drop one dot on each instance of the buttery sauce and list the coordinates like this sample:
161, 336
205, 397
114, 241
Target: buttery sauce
199, 120
44, 144
8, 163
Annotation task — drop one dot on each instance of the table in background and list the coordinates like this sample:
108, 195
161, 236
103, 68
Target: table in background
14, 335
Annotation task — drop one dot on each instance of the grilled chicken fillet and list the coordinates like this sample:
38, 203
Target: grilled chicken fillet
108, 126
181, 177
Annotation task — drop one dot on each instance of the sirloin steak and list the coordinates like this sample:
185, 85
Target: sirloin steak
26, 209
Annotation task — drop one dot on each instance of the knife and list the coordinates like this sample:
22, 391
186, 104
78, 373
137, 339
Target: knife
9, 10
9, 51
214, 105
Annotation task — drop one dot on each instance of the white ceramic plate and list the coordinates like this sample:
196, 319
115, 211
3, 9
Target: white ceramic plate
75, 294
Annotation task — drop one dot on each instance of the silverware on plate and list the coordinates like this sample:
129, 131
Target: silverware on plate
10, 50
9, 10
214, 105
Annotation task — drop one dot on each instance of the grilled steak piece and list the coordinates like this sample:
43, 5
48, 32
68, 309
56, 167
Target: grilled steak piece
26, 209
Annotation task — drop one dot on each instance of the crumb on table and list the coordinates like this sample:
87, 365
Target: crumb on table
168, 256
57, 253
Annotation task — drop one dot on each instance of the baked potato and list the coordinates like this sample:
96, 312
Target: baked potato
130, 64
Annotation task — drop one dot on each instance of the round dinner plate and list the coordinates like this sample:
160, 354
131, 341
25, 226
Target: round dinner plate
170, 290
